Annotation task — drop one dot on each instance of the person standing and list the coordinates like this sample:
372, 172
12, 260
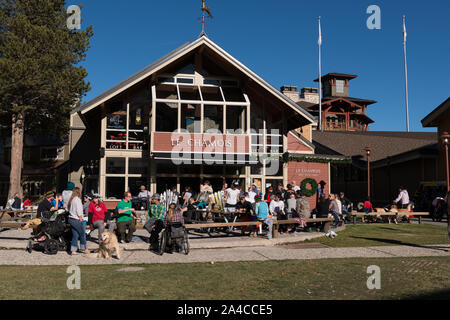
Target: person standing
402, 200
67, 194
232, 196
76, 222
346, 205
187, 195
126, 219
292, 206
268, 195
276, 209
16, 203
262, 213
302, 206
295, 187
334, 209
156, 215
323, 207
339, 204
251, 196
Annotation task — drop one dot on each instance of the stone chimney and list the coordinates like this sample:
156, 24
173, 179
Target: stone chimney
291, 92
310, 95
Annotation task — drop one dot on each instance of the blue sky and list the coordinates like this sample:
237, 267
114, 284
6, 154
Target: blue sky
278, 41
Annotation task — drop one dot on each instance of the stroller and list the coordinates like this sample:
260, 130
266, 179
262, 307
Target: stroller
54, 234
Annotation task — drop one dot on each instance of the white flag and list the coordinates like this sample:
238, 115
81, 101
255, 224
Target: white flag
404, 30
320, 34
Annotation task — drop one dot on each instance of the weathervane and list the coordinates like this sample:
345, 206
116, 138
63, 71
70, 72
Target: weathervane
206, 13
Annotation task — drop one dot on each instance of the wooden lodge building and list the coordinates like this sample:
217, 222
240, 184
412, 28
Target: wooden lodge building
196, 114
346, 133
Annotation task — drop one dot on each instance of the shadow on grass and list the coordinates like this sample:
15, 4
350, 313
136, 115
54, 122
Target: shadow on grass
437, 295
401, 243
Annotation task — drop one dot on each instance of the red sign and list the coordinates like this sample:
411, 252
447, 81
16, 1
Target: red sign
200, 143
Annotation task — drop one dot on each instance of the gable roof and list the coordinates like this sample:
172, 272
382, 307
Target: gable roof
176, 54
432, 120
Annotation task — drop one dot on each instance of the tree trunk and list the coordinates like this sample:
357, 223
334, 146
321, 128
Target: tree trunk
17, 136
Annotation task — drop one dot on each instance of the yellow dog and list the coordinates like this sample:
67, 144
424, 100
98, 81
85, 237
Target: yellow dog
33, 224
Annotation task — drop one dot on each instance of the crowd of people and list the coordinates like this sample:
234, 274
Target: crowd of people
88, 213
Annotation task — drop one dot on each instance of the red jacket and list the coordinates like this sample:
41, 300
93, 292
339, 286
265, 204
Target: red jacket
98, 211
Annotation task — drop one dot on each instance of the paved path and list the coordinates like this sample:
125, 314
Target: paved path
20, 257
205, 249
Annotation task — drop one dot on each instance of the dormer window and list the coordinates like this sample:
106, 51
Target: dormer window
340, 84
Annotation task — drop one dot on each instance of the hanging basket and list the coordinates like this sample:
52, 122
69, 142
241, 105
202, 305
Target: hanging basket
314, 187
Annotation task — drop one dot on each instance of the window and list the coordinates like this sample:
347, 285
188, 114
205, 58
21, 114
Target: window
137, 166
191, 117
125, 174
116, 127
340, 86
233, 94
166, 117
213, 118
211, 94
234, 170
115, 187
189, 93
166, 91
185, 80
134, 185
212, 99
115, 165
52, 153
236, 119
33, 188
166, 168
138, 119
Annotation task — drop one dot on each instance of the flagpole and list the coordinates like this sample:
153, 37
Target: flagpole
406, 73
320, 78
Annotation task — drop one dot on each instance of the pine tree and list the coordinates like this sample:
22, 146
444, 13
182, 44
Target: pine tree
41, 79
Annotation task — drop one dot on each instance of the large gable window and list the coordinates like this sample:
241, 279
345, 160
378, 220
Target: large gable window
217, 105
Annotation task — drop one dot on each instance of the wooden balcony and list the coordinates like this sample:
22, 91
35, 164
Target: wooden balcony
335, 126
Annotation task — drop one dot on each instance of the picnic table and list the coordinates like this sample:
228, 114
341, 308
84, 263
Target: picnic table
13, 214
383, 213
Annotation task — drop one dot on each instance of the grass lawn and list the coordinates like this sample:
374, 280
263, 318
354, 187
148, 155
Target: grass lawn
401, 278
387, 235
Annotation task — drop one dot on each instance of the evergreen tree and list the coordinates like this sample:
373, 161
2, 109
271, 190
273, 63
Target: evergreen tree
41, 79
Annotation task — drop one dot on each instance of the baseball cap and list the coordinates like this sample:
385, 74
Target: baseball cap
156, 196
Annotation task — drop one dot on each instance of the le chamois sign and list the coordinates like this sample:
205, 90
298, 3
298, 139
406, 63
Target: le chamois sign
200, 143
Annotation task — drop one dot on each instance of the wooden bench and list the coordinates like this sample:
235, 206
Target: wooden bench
326, 221
400, 213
